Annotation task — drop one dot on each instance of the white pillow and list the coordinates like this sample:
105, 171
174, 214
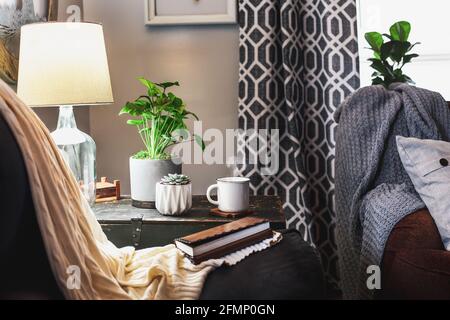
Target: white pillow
427, 163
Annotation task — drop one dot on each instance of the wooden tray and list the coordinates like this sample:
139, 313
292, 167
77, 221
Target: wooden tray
230, 215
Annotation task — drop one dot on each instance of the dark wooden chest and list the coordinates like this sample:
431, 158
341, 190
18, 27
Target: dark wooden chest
129, 226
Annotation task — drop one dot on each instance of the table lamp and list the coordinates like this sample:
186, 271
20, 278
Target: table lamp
64, 64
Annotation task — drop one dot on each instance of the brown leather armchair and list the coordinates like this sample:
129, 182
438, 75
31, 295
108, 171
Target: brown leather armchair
415, 264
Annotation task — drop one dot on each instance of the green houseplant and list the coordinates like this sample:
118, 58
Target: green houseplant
391, 52
159, 117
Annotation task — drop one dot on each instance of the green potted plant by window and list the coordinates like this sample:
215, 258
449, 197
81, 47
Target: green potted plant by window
391, 52
159, 117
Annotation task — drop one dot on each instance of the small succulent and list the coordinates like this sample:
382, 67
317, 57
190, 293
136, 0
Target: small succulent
175, 180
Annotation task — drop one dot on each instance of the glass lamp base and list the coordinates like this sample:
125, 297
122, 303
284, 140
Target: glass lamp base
78, 150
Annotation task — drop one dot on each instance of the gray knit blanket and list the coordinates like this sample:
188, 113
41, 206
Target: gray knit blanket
373, 191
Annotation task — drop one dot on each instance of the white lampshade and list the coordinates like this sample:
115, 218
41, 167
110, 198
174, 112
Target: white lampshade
63, 63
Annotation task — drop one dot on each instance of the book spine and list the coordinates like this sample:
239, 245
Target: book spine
232, 247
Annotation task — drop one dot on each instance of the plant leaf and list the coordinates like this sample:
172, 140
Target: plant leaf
386, 49
378, 66
408, 79
407, 58
188, 113
413, 45
131, 109
124, 110
200, 142
376, 74
177, 103
145, 98
398, 50
152, 88
148, 84
375, 40
400, 31
398, 73
148, 115
377, 81
135, 122
166, 85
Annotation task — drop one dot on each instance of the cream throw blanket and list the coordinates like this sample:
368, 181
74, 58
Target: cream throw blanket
73, 237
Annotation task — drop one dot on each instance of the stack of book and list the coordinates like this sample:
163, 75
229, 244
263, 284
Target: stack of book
222, 240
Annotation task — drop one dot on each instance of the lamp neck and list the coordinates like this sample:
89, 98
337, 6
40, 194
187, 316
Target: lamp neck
66, 119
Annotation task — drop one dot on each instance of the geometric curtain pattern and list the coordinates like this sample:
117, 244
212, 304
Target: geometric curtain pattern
298, 62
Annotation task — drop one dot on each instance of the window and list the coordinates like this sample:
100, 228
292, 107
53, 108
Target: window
429, 20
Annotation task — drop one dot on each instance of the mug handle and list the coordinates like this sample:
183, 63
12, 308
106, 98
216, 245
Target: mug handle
208, 194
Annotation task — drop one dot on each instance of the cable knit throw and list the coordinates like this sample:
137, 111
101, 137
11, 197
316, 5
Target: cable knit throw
373, 191
73, 237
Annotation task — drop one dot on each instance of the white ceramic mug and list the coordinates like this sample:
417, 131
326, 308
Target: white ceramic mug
232, 194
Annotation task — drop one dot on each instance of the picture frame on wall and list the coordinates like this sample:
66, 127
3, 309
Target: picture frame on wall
190, 12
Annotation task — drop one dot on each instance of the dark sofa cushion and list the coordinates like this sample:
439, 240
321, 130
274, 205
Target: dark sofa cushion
25, 272
289, 270
415, 263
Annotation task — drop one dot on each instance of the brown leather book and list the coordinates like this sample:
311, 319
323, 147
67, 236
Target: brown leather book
220, 231
222, 240
232, 247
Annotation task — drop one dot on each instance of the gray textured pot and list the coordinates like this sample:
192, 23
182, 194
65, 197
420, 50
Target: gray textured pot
144, 174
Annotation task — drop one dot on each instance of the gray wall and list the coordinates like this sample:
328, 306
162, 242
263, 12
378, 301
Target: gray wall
204, 60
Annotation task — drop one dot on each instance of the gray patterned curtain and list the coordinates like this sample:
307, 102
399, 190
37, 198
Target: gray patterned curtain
298, 61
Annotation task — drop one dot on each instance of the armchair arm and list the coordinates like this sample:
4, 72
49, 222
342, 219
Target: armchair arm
415, 264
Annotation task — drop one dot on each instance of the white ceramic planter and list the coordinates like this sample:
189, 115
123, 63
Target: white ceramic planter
144, 174
173, 200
